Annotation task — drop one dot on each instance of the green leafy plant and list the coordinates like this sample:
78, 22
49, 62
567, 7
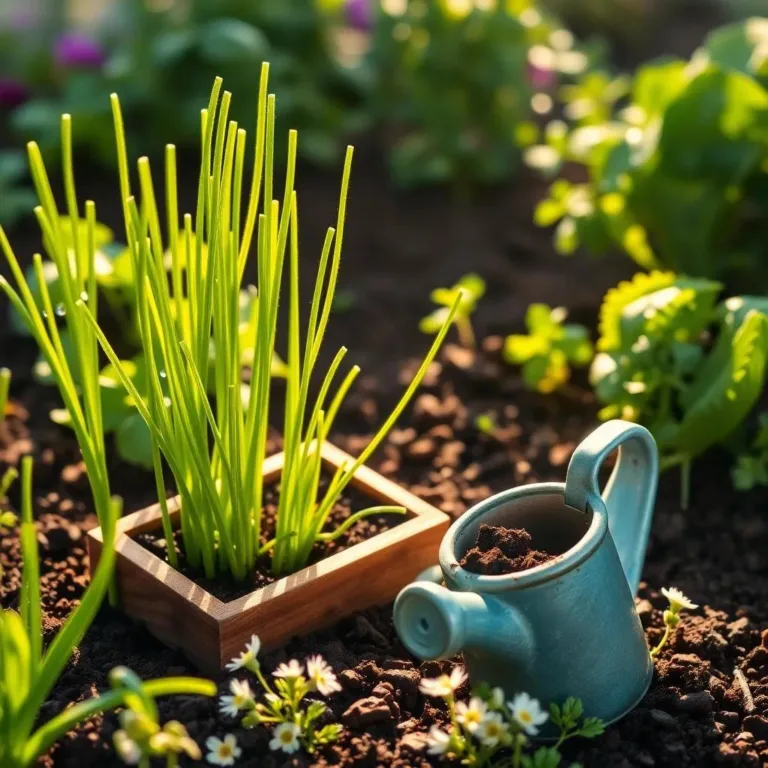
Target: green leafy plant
294, 726
457, 83
163, 58
467, 291
488, 724
677, 603
751, 469
676, 172
28, 672
551, 347
221, 485
658, 364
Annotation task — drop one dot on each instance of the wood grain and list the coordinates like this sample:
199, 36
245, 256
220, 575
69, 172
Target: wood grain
210, 632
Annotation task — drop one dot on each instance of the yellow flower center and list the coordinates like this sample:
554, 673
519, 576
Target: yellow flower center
286, 737
525, 717
492, 730
225, 750
473, 716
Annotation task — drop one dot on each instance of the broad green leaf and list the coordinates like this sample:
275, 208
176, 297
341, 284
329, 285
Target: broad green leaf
742, 46
727, 386
618, 298
224, 41
717, 128
133, 442
656, 84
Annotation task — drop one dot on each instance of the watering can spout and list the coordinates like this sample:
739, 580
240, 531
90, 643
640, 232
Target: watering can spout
630, 494
436, 623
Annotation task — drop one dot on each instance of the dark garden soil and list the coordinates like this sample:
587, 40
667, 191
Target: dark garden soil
227, 589
708, 704
499, 550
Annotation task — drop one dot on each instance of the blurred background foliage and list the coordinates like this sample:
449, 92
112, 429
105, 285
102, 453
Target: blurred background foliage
455, 91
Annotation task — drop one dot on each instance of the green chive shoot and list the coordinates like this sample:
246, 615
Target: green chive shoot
216, 451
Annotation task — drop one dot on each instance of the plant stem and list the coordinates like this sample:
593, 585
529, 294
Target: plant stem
667, 632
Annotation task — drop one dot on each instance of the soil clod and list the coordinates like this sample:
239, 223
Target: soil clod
502, 550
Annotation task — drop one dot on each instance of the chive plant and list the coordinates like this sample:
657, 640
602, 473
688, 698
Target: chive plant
5, 387
28, 672
69, 241
215, 452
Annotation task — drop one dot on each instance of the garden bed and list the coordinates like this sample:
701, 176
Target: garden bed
708, 703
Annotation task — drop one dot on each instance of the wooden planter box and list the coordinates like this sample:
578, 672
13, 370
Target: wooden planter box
210, 632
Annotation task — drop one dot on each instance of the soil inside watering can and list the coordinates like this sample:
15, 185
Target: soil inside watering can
502, 550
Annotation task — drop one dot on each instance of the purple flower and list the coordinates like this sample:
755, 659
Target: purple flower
77, 50
360, 14
541, 79
12, 93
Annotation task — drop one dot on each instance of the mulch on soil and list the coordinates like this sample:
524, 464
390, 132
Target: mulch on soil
708, 704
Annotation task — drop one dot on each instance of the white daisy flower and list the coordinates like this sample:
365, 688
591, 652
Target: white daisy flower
286, 737
241, 696
438, 741
290, 671
677, 600
222, 752
528, 713
248, 656
492, 730
321, 675
471, 715
445, 685
127, 749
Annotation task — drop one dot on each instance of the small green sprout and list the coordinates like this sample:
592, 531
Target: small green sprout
486, 423
677, 603
547, 352
7, 479
471, 288
487, 724
140, 736
294, 726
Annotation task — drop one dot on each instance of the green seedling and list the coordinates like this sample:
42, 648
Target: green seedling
549, 349
678, 602
467, 292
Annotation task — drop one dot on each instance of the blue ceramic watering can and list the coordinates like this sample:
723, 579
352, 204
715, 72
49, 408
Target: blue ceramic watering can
564, 628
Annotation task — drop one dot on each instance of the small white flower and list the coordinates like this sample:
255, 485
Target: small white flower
222, 752
321, 675
240, 698
677, 600
438, 741
445, 685
285, 737
497, 698
247, 656
471, 715
290, 671
528, 713
127, 749
492, 730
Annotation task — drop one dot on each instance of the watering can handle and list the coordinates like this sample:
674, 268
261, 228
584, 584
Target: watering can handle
630, 494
